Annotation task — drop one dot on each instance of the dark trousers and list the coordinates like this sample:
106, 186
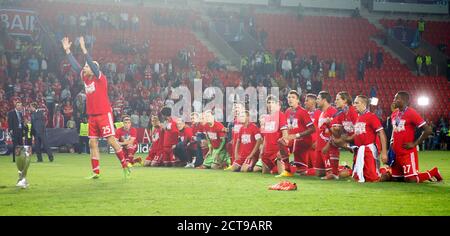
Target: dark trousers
17, 139
182, 153
40, 142
83, 145
199, 152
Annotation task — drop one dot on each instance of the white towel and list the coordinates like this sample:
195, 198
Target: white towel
358, 168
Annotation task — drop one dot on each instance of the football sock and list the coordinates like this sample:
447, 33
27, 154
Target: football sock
95, 166
121, 156
334, 166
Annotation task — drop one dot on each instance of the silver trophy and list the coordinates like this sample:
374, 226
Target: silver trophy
25, 150
23, 158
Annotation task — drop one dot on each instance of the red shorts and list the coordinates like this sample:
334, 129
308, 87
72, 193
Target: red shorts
370, 170
130, 151
153, 153
167, 156
101, 126
156, 159
311, 153
322, 161
334, 153
269, 159
406, 165
243, 160
300, 150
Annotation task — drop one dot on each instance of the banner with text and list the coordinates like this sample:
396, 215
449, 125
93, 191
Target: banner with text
18, 21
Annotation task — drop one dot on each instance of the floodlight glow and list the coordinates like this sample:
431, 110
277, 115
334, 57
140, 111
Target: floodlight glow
423, 101
374, 101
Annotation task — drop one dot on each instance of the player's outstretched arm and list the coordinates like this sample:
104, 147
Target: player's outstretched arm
73, 62
90, 62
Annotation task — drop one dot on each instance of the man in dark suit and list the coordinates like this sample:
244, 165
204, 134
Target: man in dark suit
39, 132
15, 125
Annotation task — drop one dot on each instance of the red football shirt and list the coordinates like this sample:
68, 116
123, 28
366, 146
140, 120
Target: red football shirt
215, 133
236, 129
186, 134
324, 127
156, 137
346, 119
97, 100
235, 133
247, 137
403, 126
125, 135
197, 128
314, 116
366, 127
271, 130
298, 120
170, 133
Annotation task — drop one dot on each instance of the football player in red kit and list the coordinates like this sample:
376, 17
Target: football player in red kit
127, 138
275, 132
98, 107
323, 164
183, 149
341, 125
314, 114
300, 128
196, 144
366, 128
345, 119
156, 136
235, 127
248, 142
170, 138
217, 157
404, 122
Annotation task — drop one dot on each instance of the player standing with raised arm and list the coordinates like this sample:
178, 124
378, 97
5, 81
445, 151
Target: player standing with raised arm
98, 107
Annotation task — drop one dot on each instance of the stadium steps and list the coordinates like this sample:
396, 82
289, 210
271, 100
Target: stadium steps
374, 19
206, 42
201, 37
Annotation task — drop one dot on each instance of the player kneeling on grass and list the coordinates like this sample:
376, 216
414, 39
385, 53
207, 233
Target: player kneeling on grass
217, 156
156, 141
182, 150
366, 128
233, 131
170, 139
199, 144
248, 141
405, 120
300, 129
342, 125
127, 138
274, 129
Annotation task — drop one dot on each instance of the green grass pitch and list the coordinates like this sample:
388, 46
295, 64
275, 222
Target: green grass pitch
60, 188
